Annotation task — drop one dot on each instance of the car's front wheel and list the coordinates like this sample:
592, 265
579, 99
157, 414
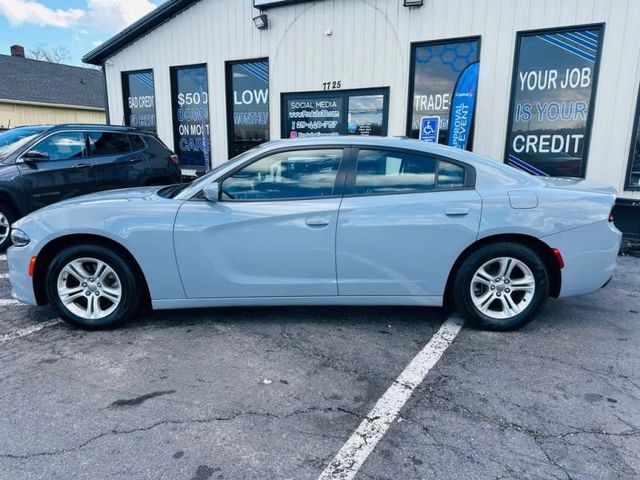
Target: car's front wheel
501, 286
92, 287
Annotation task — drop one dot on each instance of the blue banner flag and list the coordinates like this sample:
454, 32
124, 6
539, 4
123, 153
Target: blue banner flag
462, 106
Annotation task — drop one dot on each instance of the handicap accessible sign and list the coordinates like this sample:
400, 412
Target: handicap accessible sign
429, 129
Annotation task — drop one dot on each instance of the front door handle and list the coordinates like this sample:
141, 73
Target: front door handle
317, 222
82, 165
456, 212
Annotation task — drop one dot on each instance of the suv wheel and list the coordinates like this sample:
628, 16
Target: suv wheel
6, 219
501, 286
92, 287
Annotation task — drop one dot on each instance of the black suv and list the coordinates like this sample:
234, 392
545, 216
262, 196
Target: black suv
40, 165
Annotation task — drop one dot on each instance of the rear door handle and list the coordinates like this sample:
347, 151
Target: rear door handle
82, 165
456, 212
317, 222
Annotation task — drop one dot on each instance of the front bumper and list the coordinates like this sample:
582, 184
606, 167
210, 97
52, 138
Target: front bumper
18, 260
590, 256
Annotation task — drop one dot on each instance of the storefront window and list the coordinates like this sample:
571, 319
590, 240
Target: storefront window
190, 102
139, 100
248, 105
442, 94
336, 112
633, 181
551, 97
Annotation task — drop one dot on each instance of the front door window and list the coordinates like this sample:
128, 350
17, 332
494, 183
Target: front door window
60, 146
286, 175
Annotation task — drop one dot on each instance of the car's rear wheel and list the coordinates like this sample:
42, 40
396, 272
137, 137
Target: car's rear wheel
92, 287
501, 286
6, 219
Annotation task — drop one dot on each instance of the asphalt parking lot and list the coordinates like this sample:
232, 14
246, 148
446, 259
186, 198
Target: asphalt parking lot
276, 392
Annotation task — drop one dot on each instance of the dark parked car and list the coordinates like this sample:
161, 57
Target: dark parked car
41, 165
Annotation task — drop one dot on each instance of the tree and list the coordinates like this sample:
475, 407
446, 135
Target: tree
57, 54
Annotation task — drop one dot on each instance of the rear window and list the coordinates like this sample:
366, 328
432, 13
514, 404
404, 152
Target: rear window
108, 143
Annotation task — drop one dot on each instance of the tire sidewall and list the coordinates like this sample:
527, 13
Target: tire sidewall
485, 254
130, 290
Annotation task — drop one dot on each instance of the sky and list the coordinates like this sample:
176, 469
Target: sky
77, 25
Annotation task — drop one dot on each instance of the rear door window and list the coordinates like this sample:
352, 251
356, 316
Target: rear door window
389, 172
137, 143
108, 143
381, 171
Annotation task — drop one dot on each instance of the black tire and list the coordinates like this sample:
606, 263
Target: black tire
6, 212
130, 289
462, 294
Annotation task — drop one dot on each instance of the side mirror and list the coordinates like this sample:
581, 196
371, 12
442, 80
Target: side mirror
34, 156
211, 192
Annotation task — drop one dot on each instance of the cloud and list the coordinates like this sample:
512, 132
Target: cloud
114, 15
97, 43
19, 12
108, 16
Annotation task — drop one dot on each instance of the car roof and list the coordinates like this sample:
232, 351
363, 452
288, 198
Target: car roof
490, 171
388, 142
87, 127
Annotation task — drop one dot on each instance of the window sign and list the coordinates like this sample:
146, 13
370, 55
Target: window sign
190, 100
444, 82
345, 112
552, 92
248, 104
139, 100
366, 115
633, 181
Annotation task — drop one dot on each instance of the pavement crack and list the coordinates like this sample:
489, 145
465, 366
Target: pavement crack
224, 418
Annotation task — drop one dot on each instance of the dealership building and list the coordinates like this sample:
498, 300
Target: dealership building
550, 87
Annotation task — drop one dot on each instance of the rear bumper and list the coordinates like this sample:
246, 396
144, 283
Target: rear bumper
21, 283
590, 255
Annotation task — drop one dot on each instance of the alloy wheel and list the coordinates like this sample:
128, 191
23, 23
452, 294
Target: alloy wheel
5, 228
89, 288
503, 288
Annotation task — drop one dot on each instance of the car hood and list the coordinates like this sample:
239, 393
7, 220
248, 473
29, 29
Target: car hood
123, 195
76, 211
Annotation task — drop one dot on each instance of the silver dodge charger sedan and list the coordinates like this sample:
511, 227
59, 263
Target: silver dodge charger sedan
324, 221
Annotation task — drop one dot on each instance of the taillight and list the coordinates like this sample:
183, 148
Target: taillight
174, 159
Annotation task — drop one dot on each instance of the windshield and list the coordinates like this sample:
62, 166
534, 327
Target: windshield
10, 144
173, 190
15, 134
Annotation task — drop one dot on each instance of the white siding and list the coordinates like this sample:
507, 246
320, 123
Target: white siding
370, 47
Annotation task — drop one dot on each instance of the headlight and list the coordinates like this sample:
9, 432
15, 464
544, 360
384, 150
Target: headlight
19, 238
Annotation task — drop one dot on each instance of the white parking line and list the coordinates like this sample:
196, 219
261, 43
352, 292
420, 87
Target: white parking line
353, 454
3, 257
28, 331
3, 276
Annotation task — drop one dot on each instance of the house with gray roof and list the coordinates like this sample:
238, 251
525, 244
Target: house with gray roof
37, 92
